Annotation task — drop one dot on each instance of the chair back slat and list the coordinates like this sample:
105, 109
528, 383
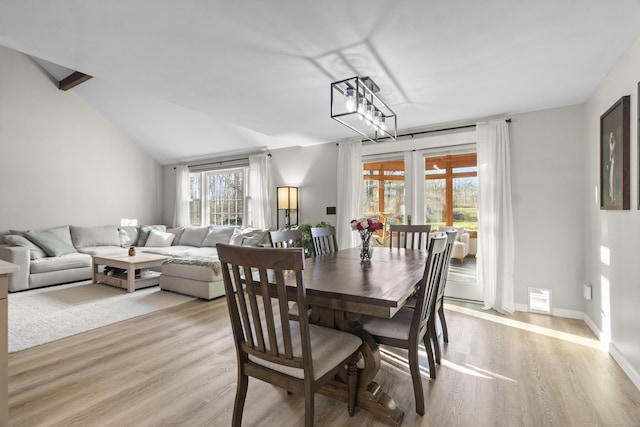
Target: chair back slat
286, 238
324, 240
256, 281
409, 236
427, 287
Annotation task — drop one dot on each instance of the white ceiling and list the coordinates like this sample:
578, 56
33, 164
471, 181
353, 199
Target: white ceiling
196, 79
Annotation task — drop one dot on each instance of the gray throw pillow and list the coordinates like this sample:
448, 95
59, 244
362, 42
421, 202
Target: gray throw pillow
50, 243
34, 253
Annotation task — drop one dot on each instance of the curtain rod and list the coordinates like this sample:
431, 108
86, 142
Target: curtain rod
220, 162
412, 134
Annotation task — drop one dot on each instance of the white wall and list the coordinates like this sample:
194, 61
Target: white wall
611, 252
547, 164
315, 170
61, 162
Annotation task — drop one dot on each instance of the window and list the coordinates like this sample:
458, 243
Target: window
218, 197
384, 190
451, 191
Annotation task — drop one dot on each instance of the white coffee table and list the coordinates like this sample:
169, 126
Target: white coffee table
128, 281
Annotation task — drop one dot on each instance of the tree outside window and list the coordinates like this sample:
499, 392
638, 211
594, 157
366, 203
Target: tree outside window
224, 197
451, 191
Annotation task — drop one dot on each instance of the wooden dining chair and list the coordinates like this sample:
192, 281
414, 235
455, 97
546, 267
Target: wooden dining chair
408, 327
433, 349
324, 240
294, 355
286, 238
439, 307
409, 236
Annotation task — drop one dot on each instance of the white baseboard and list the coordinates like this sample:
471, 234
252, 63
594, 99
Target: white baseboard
592, 325
633, 375
570, 314
625, 365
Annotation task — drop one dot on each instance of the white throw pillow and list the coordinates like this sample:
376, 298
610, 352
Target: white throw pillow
159, 239
236, 238
254, 236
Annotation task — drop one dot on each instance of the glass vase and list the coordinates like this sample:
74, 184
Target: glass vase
366, 250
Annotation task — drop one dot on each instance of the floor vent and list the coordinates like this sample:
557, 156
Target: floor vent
540, 300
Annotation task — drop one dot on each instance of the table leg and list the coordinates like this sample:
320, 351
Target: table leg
131, 278
371, 397
94, 278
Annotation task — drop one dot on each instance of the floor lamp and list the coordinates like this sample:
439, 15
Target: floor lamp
287, 201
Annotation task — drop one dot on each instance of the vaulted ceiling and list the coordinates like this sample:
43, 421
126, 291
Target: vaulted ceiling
197, 79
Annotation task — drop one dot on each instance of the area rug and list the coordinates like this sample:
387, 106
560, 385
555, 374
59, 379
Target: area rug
42, 315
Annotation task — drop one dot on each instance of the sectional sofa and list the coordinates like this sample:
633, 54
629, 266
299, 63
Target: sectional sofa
63, 254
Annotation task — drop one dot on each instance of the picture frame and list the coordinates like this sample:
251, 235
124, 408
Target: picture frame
614, 156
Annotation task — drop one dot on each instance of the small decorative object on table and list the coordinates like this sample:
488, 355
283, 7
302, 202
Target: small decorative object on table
366, 227
132, 251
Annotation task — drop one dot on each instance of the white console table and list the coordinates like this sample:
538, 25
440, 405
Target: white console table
6, 269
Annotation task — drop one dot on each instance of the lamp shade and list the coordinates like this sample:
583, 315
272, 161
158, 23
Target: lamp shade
288, 198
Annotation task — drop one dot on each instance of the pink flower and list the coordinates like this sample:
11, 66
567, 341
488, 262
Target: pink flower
366, 224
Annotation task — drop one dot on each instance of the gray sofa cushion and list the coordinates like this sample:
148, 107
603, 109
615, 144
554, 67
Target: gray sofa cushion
193, 236
218, 234
64, 262
178, 233
50, 243
34, 251
103, 250
95, 236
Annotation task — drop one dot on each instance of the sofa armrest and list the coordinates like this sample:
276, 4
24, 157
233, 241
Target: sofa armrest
19, 255
465, 238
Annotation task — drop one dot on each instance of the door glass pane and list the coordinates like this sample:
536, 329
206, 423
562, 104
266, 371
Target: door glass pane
435, 199
370, 198
465, 203
394, 201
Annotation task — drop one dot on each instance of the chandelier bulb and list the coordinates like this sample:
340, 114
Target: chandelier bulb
362, 108
350, 94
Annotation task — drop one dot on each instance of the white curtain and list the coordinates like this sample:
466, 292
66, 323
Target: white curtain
495, 216
259, 184
413, 187
349, 192
181, 211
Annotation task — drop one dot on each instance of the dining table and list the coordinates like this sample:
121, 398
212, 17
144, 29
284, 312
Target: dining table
341, 289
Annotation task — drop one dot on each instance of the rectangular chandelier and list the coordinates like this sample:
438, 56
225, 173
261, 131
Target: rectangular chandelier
354, 103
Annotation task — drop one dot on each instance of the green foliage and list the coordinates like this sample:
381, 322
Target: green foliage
306, 235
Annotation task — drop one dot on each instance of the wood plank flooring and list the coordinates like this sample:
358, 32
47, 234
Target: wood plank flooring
176, 367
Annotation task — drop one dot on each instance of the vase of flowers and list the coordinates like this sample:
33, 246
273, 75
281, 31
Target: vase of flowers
366, 227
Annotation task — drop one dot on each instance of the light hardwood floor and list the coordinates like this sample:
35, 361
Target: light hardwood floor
176, 367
